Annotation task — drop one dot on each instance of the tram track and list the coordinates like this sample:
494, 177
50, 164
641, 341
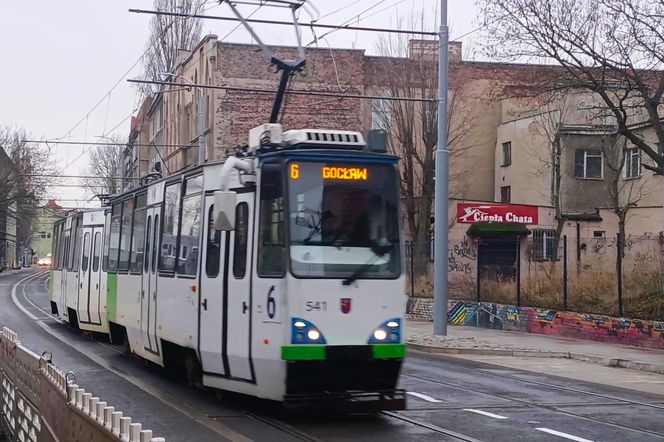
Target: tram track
533, 404
431, 427
657, 405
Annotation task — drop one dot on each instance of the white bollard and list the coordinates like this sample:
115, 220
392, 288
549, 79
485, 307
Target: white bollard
79, 398
71, 393
108, 412
86, 402
124, 428
100, 412
145, 436
93, 407
115, 424
134, 432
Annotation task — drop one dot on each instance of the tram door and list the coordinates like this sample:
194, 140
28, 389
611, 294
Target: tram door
88, 293
211, 307
149, 283
238, 292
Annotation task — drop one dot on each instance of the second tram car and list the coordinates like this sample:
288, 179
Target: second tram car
276, 273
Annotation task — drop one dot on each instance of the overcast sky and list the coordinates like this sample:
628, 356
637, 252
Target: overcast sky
60, 58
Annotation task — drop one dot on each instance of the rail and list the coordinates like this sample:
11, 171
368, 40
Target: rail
39, 402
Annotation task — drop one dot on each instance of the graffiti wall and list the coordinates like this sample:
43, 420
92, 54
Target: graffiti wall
548, 322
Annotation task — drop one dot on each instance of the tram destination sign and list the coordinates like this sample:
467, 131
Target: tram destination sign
468, 213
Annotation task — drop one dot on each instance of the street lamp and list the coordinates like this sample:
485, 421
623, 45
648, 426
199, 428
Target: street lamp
201, 115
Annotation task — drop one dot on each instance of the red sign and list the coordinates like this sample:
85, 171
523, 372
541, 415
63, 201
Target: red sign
468, 213
345, 305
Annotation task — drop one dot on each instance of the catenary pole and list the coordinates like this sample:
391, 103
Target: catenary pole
441, 196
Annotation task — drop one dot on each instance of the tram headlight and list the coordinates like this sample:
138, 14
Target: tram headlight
389, 332
304, 332
380, 334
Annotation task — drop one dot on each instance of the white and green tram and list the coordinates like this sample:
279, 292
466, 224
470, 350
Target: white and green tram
276, 273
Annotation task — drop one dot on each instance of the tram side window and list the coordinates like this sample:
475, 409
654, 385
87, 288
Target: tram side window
240, 243
190, 228
271, 244
107, 241
114, 240
76, 237
213, 252
170, 230
86, 253
96, 248
61, 246
56, 244
138, 235
64, 251
125, 234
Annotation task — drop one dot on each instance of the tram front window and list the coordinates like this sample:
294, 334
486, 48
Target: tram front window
343, 217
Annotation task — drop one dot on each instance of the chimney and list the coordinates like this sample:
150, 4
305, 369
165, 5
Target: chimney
428, 50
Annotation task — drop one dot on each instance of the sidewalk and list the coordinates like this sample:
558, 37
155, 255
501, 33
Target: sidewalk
463, 340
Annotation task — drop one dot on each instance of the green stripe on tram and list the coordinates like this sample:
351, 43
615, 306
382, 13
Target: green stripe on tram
112, 296
389, 351
303, 352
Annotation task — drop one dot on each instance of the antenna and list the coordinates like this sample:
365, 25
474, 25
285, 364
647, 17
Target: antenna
287, 67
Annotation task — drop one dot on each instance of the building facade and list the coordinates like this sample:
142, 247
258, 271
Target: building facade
41, 240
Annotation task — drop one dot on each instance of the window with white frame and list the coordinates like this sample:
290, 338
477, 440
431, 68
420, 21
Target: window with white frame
588, 164
506, 153
632, 167
543, 245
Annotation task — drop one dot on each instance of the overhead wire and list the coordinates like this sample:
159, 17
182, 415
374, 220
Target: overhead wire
131, 68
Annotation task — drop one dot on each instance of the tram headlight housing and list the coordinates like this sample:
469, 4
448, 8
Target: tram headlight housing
389, 332
304, 332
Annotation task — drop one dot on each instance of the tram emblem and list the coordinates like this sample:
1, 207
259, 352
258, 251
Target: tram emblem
345, 305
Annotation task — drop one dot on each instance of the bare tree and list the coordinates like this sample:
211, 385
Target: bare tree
413, 127
612, 48
105, 164
551, 115
626, 186
168, 34
25, 178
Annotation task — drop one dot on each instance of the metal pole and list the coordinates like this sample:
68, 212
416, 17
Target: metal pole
201, 128
412, 268
565, 272
518, 271
441, 199
620, 279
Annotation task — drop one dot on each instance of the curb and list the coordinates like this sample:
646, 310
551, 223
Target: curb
608, 362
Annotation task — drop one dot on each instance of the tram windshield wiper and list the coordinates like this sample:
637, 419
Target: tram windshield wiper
379, 251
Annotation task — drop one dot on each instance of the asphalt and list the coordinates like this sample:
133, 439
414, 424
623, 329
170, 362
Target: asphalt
449, 398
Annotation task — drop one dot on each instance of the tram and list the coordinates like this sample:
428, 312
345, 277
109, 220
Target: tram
276, 273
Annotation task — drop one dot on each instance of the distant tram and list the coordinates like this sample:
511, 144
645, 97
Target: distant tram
276, 273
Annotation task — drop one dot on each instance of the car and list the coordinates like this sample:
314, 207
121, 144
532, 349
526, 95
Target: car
45, 261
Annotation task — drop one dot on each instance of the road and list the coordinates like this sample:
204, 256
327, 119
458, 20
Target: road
449, 399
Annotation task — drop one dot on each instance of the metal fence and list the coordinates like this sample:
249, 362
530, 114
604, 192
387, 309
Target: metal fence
38, 402
578, 274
